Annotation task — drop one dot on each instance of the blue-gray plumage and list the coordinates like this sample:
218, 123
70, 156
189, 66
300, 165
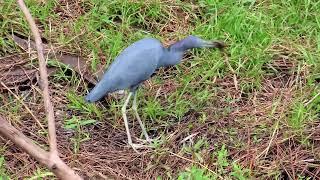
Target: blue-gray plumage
137, 63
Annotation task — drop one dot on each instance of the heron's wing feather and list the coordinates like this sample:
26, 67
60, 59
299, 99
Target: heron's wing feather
133, 65
131, 69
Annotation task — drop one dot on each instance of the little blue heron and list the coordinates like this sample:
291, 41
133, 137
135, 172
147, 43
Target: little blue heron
136, 64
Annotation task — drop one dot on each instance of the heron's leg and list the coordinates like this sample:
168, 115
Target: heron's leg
124, 110
135, 109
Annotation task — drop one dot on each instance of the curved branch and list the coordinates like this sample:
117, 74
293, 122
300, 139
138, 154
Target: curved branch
55, 164
51, 158
44, 79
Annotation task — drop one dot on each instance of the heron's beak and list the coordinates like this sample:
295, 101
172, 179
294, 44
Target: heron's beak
214, 44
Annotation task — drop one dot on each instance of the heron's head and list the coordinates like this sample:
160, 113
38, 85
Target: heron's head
196, 42
88, 99
94, 95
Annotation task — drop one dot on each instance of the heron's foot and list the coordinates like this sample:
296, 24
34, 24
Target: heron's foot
135, 146
142, 141
148, 140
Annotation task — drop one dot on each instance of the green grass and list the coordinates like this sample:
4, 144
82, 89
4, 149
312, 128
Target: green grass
3, 173
40, 174
257, 34
77, 124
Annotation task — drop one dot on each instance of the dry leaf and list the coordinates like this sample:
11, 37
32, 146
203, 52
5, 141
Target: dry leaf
13, 72
76, 63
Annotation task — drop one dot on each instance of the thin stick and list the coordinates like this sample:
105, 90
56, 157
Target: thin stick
27, 108
44, 79
310, 101
265, 151
226, 60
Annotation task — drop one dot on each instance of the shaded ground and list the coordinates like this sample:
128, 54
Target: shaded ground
258, 117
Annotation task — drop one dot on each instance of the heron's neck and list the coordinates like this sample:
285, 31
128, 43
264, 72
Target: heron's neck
170, 57
182, 45
173, 54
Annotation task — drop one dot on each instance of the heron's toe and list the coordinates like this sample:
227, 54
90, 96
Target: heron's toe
141, 141
135, 147
145, 141
151, 140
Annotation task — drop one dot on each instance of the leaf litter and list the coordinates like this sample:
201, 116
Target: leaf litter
17, 71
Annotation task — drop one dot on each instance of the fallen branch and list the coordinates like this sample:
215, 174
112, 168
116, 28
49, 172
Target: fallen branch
53, 163
51, 158
76, 63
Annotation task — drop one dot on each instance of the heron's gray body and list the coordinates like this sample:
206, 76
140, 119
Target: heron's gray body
139, 61
136, 64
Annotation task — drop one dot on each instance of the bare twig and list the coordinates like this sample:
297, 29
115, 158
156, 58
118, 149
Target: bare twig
44, 79
310, 101
188, 137
270, 142
226, 60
